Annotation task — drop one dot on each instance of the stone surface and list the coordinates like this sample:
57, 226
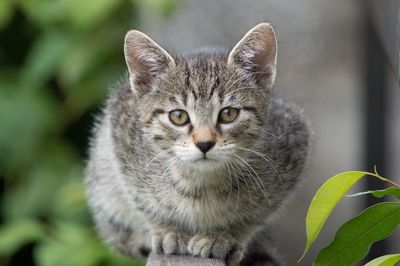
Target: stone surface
162, 260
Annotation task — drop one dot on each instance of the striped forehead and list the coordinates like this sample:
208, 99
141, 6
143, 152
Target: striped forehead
202, 78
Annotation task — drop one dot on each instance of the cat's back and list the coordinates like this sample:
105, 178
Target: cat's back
288, 119
105, 184
287, 141
102, 147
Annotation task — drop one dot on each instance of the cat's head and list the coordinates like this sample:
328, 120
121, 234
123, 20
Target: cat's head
205, 108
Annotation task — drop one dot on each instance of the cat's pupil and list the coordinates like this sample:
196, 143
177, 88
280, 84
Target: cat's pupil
179, 115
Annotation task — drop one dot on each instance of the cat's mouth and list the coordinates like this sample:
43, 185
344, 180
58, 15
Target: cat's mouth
205, 159
203, 162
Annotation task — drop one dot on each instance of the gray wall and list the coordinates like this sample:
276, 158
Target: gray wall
318, 67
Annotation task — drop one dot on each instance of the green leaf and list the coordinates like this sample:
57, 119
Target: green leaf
47, 53
24, 109
6, 13
18, 233
43, 13
37, 191
325, 200
354, 238
72, 244
392, 191
88, 14
115, 259
387, 260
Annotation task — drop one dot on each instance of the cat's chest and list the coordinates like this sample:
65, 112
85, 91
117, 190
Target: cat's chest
208, 210
208, 207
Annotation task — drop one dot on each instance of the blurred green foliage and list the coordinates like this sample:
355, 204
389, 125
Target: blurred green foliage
57, 59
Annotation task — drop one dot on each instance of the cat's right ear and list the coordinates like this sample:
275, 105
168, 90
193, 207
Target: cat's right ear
256, 54
145, 60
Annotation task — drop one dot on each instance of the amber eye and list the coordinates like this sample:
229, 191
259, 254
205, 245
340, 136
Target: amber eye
179, 117
228, 115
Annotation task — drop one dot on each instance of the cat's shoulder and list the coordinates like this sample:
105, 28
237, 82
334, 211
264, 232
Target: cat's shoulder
288, 118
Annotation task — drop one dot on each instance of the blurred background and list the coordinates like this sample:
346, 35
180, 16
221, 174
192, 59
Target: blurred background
58, 58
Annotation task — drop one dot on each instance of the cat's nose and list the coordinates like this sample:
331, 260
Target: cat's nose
205, 146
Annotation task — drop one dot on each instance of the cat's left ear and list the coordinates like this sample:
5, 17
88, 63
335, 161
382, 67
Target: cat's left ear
256, 54
145, 60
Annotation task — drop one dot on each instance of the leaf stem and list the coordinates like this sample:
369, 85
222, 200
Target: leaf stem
377, 175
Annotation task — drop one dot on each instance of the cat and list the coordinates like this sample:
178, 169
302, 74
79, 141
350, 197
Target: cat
193, 155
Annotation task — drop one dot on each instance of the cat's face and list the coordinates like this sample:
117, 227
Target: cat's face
203, 109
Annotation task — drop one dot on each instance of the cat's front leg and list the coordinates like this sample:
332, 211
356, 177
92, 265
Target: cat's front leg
218, 245
169, 241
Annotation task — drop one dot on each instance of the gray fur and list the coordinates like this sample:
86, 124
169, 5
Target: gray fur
146, 196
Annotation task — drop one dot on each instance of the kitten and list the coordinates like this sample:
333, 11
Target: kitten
193, 155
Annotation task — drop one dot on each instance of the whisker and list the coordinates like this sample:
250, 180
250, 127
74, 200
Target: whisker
157, 156
262, 187
265, 157
238, 193
245, 181
230, 180
268, 160
169, 166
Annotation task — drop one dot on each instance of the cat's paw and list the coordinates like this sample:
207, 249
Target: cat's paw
169, 242
220, 246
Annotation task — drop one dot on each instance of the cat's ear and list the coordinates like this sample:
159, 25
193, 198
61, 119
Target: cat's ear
145, 59
256, 54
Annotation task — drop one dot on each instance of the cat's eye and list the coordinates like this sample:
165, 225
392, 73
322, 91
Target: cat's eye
179, 117
228, 115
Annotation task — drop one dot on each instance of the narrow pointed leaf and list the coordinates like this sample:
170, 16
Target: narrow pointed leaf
18, 233
355, 237
392, 191
387, 260
325, 200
